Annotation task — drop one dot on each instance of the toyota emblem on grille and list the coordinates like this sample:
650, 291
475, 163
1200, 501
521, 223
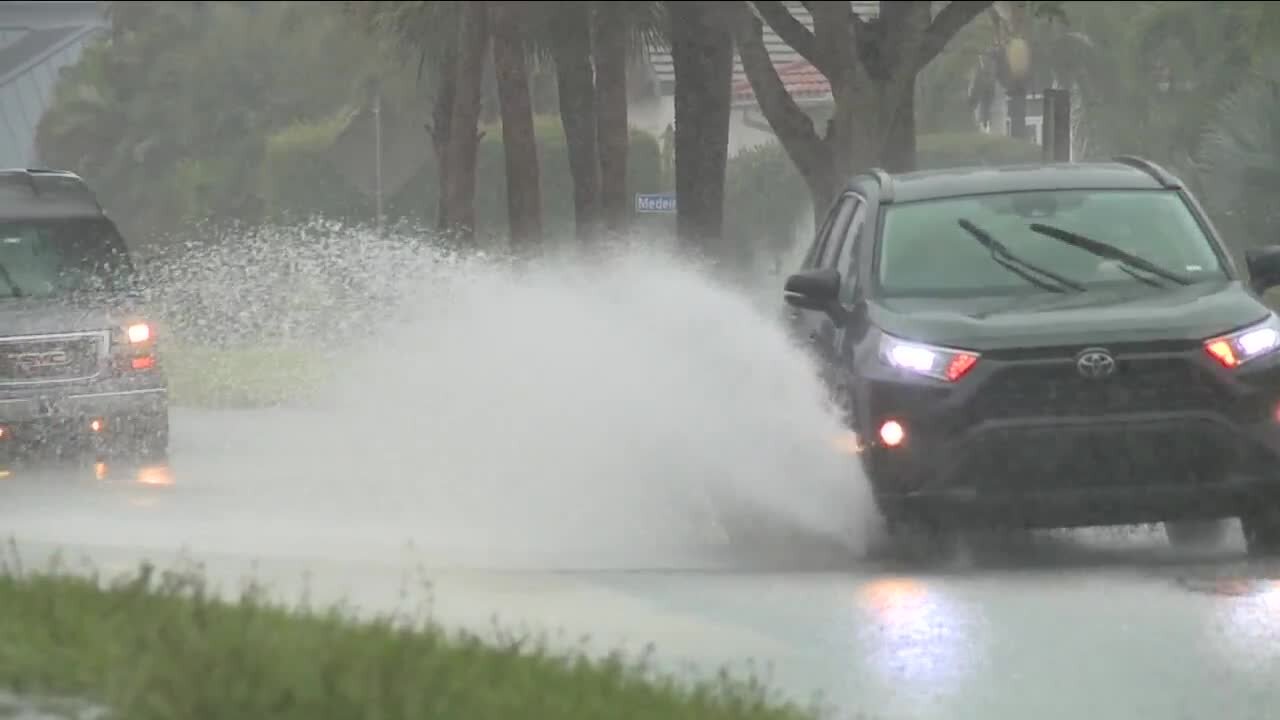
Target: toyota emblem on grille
1095, 364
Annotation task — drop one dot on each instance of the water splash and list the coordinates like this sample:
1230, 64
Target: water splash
615, 408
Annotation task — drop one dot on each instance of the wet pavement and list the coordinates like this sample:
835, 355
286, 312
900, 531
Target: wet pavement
1098, 624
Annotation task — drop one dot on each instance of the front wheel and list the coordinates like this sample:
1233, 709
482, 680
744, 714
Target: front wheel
1200, 534
143, 437
1262, 531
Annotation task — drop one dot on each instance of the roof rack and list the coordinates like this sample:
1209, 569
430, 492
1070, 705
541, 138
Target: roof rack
886, 184
1158, 173
48, 187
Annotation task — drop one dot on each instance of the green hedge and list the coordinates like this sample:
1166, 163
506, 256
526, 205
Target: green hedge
765, 196
298, 178
160, 645
299, 181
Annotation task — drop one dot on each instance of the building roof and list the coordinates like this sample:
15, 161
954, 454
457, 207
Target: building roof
801, 79
798, 75
34, 45
37, 40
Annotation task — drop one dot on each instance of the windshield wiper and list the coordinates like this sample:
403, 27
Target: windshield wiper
14, 290
1017, 265
1111, 252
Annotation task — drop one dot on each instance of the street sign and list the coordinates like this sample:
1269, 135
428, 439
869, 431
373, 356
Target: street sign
663, 203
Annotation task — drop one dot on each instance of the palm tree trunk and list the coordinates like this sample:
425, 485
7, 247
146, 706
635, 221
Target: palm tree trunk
571, 49
611, 107
702, 57
442, 118
460, 156
519, 143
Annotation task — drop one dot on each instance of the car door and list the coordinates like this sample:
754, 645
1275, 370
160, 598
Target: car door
803, 323
821, 330
846, 336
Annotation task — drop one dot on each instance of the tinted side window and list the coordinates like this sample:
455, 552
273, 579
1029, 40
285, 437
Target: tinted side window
847, 263
836, 234
819, 238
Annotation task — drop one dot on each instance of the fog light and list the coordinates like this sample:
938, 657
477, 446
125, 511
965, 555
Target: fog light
4, 433
892, 434
143, 363
97, 425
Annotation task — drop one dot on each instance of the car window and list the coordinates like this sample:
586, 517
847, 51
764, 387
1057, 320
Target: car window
820, 237
47, 258
847, 262
836, 233
924, 251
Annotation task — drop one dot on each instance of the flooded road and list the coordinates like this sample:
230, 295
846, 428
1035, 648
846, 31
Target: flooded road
1101, 624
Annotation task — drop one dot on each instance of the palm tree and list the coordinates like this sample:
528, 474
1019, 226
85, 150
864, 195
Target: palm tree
1239, 159
702, 57
519, 143
1032, 48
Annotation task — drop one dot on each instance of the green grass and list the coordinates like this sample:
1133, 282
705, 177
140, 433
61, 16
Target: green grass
161, 645
240, 377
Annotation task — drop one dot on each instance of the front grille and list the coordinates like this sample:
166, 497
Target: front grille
1056, 389
1058, 458
50, 358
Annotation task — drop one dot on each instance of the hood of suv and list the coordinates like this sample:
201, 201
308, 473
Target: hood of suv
40, 316
1131, 314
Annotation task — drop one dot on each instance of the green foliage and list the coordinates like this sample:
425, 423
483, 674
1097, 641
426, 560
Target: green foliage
413, 202
1239, 160
169, 115
299, 176
944, 150
765, 195
255, 376
163, 645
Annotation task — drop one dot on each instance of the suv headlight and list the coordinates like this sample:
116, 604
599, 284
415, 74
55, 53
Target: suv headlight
940, 363
1241, 346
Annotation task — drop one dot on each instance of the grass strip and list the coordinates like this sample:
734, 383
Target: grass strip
159, 644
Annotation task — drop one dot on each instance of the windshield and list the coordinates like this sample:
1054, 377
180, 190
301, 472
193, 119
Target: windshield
925, 251
52, 258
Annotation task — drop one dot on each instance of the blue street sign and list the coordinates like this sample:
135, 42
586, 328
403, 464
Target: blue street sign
656, 203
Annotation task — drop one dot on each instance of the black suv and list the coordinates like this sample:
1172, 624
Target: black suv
1048, 346
78, 355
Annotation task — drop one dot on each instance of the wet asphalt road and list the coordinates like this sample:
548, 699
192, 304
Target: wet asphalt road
1096, 624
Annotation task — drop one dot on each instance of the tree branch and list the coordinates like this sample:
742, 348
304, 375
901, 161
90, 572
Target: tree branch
793, 127
833, 29
949, 21
792, 31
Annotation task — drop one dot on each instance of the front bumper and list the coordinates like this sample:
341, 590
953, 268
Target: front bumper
38, 416
1200, 444
53, 407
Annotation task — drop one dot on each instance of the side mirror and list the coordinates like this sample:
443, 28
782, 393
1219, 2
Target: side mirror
813, 290
1264, 267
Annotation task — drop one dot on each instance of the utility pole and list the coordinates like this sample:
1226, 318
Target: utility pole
377, 163
1056, 141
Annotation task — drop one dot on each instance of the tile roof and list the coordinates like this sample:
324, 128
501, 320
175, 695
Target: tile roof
801, 78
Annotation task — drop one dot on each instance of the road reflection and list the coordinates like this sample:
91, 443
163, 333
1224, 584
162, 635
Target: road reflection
917, 637
151, 472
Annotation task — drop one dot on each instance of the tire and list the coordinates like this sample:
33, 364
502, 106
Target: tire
1262, 532
1197, 534
144, 437
919, 542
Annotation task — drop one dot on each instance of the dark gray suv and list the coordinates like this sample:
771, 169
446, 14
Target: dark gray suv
78, 354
